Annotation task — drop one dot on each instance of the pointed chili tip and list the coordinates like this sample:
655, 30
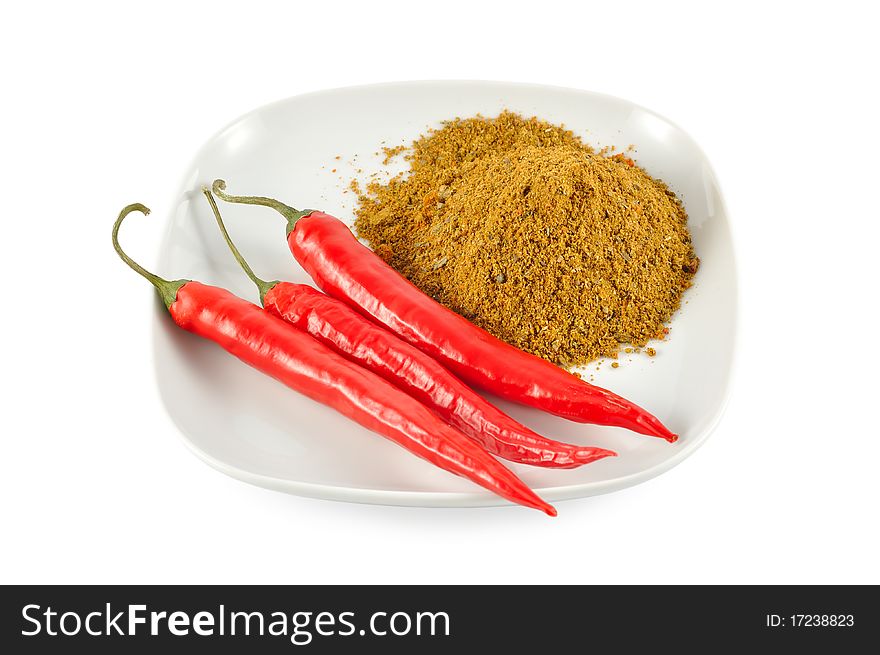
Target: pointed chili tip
536, 502
587, 455
651, 426
659, 430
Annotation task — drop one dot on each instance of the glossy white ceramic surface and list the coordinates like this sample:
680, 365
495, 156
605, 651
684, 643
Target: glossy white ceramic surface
252, 428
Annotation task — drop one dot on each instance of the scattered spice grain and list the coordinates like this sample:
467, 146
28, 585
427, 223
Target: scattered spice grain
391, 153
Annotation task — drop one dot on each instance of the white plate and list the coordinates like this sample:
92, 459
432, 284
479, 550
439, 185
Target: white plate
254, 429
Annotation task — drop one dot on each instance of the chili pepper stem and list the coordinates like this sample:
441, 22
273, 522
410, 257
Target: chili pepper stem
292, 215
263, 285
167, 288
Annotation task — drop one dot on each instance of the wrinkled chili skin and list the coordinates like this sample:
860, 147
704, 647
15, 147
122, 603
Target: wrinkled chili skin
346, 269
307, 366
344, 330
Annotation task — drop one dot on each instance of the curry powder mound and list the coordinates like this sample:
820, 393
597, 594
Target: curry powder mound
522, 228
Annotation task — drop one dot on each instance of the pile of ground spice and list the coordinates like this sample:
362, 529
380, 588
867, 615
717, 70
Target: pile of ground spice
525, 230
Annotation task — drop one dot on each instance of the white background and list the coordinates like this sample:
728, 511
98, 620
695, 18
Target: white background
105, 104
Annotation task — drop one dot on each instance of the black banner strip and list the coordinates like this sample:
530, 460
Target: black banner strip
318, 619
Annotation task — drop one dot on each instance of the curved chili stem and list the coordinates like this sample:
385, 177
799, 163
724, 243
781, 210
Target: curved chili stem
167, 288
292, 215
262, 284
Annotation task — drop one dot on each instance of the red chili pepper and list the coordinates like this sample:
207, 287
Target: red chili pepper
342, 329
305, 365
346, 269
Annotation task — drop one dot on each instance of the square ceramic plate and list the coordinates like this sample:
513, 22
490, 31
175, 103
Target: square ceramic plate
254, 429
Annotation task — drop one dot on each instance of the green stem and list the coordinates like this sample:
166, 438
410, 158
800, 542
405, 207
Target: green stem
262, 284
167, 288
292, 215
